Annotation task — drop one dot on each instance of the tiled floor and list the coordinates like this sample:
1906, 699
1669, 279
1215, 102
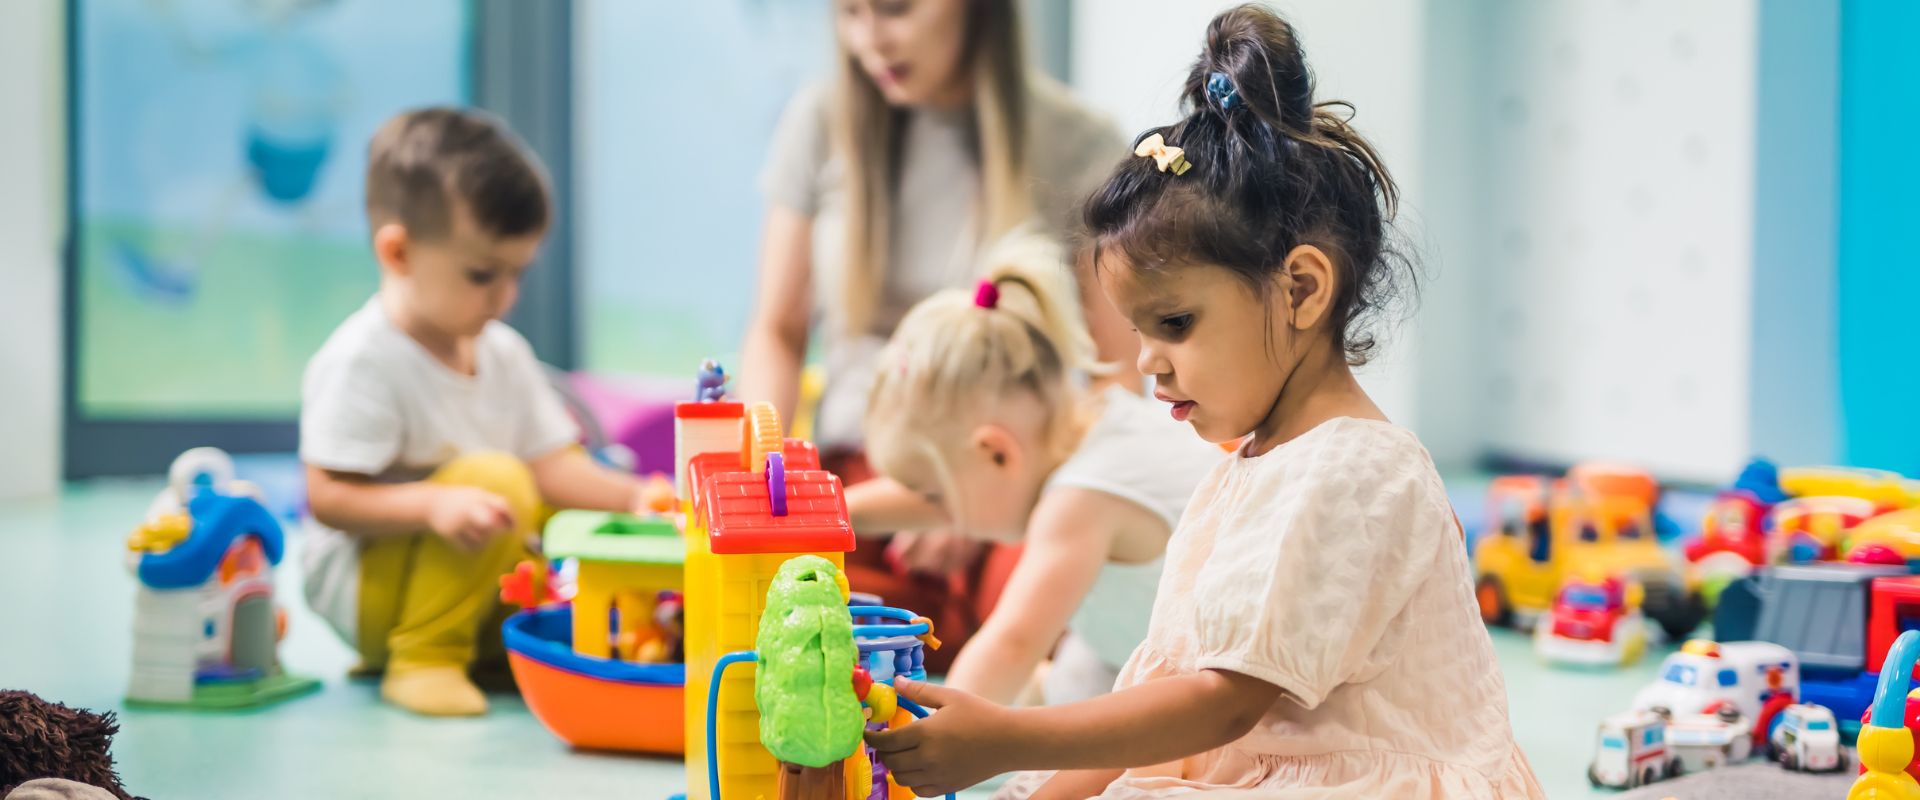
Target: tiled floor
66, 604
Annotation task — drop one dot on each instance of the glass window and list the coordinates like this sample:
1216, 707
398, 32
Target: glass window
1819, 725
1682, 674
670, 213
1612, 742
1729, 677
1586, 597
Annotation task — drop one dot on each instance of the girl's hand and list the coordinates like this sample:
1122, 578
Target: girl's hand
968, 741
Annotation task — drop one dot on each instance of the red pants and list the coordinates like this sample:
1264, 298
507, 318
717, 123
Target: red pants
957, 603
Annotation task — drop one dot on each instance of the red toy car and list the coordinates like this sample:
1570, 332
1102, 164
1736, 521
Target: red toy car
1593, 624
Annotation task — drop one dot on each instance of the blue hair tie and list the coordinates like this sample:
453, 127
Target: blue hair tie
1221, 92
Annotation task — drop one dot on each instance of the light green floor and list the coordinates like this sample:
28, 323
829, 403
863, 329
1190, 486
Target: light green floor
66, 605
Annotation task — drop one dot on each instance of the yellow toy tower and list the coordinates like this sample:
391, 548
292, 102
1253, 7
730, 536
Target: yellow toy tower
752, 503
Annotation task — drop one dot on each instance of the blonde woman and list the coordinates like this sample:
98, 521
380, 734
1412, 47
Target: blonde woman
882, 187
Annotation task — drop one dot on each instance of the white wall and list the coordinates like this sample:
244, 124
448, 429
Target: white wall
32, 142
1619, 181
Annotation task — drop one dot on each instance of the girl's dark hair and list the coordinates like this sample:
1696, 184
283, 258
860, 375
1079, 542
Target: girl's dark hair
1271, 170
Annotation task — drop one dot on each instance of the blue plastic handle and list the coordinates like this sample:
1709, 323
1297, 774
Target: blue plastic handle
1890, 702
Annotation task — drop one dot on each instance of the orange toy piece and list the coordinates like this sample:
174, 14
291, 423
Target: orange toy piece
657, 494
595, 714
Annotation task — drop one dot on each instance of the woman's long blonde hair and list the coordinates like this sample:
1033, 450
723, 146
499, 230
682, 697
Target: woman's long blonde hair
951, 355
866, 133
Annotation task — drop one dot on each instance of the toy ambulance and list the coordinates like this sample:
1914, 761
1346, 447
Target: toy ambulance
1758, 679
1632, 751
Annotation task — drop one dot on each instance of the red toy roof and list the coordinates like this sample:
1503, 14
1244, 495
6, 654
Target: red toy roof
735, 508
743, 522
716, 410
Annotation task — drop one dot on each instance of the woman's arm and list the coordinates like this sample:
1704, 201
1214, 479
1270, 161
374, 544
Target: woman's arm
1069, 539
1158, 721
883, 506
776, 339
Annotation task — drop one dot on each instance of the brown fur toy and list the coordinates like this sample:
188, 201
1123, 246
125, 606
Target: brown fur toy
40, 739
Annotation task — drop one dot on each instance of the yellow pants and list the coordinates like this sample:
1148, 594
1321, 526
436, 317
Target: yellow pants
424, 602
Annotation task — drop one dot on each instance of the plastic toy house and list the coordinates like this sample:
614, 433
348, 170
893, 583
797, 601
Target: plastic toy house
754, 504
206, 630
626, 563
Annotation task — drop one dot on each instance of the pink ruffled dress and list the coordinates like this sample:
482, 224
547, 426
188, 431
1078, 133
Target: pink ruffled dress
1331, 567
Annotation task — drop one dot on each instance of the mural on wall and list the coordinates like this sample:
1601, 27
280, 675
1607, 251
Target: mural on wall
220, 150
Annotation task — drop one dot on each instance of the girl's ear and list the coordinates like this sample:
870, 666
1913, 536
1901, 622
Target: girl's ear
1309, 286
997, 446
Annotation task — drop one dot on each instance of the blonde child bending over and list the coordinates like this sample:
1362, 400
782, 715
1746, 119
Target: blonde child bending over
1315, 633
979, 421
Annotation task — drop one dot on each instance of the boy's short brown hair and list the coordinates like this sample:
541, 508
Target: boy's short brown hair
420, 161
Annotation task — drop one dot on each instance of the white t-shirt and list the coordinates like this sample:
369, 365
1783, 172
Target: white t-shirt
1138, 452
374, 402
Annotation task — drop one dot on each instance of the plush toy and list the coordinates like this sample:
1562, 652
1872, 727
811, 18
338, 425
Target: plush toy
39, 739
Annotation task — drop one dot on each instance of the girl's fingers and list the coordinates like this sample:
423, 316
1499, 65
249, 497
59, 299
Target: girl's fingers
898, 740
926, 694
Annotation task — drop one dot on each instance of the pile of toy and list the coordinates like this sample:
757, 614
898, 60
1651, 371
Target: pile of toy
1808, 574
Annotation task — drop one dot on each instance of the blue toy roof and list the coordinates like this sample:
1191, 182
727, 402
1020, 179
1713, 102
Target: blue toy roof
218, 521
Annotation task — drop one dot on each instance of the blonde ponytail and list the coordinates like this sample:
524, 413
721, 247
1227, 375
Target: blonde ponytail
963, 347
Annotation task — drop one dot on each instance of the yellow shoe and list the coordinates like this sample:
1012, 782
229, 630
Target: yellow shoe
435, 691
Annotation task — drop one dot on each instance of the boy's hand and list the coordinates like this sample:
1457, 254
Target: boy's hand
468, 517
653, 495
968, 741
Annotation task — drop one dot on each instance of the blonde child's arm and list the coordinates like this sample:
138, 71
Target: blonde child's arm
1158, 721
1069, 538
884, 506
1077, 784
466, 516
569, 478
776, 340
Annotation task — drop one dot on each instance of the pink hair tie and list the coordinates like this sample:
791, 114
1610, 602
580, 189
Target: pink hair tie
987, 295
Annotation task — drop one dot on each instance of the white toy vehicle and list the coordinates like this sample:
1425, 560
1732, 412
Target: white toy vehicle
1807, 739
1709, 741
1756, 678
1632, 751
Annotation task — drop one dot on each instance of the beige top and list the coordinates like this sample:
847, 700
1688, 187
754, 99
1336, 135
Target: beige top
934, 243
1331, 567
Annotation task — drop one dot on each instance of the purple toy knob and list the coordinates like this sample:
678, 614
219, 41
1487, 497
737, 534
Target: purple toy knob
777, 483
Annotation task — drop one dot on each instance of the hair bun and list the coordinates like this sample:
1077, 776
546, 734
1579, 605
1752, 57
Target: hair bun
1261, 64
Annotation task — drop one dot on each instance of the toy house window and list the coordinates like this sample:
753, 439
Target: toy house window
1589, 533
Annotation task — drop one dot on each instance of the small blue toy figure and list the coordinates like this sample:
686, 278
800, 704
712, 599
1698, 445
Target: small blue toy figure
1761, 478
711, 384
